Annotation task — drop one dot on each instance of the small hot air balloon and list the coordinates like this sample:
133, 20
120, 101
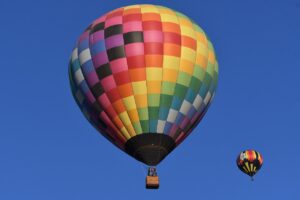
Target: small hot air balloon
144, 76
249, 162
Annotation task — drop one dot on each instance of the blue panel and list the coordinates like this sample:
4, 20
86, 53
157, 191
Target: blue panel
153, 126
176, 103
98, 47
163, 113
88, 67
84, 44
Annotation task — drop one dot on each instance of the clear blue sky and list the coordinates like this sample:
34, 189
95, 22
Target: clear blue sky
49, 151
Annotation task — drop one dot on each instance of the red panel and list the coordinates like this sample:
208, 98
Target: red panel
122, 78
113, 95
152, 25
132, 17
136, 62
172, 38
153, 48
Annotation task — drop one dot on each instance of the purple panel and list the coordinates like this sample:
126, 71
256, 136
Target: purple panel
114, 41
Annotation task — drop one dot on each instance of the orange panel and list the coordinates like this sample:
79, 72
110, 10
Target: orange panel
172, 49
188, 42
170, 75
154, 60
170, 27
125, 90
119, 106
151, 17
153, 87
138, 74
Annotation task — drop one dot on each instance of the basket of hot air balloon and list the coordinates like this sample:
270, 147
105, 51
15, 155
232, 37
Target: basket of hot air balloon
144, 76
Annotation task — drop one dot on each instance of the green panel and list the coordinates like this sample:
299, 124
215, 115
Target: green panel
168, 88
198, 72
143, 113
153, 100
210, 69
137, 127
184, 79
166, 100
180, 91
145, 125
195, 84
153, 112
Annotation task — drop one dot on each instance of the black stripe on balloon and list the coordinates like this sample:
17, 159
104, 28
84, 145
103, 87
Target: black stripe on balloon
103, 71
97, 90
113, 30
115, 53
97, 27
97, 107
132, 37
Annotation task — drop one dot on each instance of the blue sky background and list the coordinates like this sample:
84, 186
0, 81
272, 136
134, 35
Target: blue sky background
49, 151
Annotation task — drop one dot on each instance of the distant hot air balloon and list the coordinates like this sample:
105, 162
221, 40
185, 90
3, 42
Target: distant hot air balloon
144, 76
249, 162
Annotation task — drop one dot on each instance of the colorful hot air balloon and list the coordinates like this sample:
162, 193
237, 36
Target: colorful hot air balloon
249, 162
144, 76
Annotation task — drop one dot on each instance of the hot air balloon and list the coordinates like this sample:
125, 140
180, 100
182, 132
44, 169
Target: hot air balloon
249, 162
144, 76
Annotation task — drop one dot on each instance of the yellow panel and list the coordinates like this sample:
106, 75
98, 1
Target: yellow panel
129, 103
188, 54
251, 167
187, 66
141, 100
169, 18
153, 87
245, 169
166, 11
247, 165
125, 133
201, 38
202, 61
171, 62
149, 9
139, 87
125, 118
211, 57
170, 75
254, 169
131, 130
185, 22
134, 116
202, 49
153, 73
187, 31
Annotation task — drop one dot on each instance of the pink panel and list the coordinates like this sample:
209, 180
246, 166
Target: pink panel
153, 36
103, 99
113, 21
100, 59
118, 65
97, 36
134, 49
92, 78
108, 83
184, 123
132, 26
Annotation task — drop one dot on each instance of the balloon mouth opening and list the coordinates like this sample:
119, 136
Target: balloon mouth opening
150, 148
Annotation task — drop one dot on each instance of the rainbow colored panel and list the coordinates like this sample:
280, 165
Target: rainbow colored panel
143, 69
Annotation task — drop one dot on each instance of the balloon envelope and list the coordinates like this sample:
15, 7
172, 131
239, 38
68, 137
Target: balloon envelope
249, 162
144, 76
